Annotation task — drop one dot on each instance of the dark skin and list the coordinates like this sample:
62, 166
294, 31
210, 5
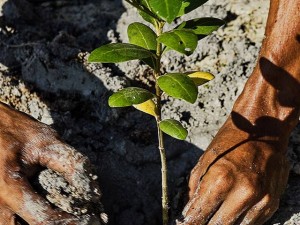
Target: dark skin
242, 174
238, 180
26, 144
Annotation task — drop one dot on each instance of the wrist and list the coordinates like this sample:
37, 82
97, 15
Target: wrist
269, 102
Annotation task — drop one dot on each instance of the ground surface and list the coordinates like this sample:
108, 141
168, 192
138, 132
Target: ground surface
43, 72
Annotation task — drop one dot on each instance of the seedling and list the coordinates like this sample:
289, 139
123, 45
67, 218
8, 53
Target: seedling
149, 44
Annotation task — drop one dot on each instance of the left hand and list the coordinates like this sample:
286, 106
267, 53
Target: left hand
25, 144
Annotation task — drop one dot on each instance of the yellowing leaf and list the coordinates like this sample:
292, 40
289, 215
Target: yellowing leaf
200, 78
148, 107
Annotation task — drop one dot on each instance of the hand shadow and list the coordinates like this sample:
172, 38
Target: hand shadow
282, 81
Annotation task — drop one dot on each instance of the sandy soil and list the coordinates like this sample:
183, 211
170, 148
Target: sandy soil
43, 72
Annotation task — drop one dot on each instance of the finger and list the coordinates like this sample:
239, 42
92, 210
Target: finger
74, 166
7, 217
236, 203
47, 150
267, 213
207, 199
198, 171
21, 199
258, 210
195, 178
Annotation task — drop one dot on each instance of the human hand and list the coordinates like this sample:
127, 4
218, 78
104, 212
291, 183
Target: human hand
238, 180
241, 176
25, 145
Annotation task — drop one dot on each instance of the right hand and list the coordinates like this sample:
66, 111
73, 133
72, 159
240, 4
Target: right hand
25, 144
236, 181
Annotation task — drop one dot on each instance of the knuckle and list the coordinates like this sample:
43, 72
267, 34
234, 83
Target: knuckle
222, 177
221, 181
267, 199
248, 192
250, 187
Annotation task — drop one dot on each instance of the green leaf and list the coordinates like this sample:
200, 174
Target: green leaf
142, 35
166, 9
173, 128
202, 26
151, 61
182, 41
129, 96
179, 86
189, 5
119, 52
147, 15
148, 107
146, 4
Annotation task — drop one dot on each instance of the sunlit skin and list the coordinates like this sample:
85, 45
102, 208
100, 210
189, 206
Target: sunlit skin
238, 180
242, 174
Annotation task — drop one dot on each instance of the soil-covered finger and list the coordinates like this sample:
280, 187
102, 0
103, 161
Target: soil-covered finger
30, 206
206, 200
235, 204
23, 201
66, 196
70, 182
74, 167
195, 177
267, 213
252, 215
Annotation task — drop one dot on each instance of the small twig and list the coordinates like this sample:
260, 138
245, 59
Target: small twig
163, 158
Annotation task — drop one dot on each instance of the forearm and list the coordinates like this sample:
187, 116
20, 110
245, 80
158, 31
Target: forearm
282, 43
272, 92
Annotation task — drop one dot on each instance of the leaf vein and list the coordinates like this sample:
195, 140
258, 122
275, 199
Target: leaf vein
191, 97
